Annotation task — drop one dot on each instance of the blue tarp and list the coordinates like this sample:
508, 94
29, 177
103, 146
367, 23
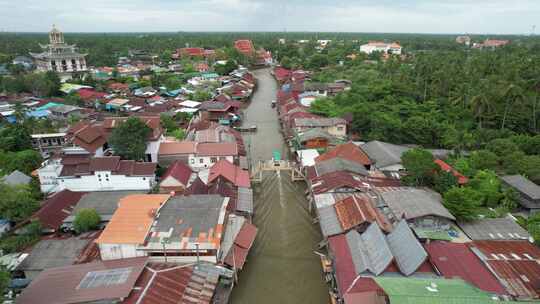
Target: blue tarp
38, 113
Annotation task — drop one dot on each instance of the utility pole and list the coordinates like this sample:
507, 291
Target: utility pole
164, 241
197, 251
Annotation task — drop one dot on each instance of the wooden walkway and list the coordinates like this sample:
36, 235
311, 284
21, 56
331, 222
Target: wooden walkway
276, 165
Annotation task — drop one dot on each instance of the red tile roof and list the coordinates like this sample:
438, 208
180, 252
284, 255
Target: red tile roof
89, 94
281, 73
179, 171
173, 148
87, 136
457, 260
515, 263
217, 149
57, 208
232, 173
191, 51
355, 210
242, 244
461, 179
347, 151
244, 46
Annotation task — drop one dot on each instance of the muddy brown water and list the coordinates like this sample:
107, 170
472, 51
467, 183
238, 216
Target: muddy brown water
282, 267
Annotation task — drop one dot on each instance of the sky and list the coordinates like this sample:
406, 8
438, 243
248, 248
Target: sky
397, 16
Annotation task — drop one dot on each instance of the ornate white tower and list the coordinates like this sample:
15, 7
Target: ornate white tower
59, 57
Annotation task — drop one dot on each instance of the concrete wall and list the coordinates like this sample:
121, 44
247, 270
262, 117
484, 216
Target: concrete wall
119, 251
204, 162
105, 181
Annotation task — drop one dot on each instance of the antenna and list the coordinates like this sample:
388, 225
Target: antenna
533, 29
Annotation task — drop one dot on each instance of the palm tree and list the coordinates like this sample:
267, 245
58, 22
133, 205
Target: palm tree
480, 106
513, 94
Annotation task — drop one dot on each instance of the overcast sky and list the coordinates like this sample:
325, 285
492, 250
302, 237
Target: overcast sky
415, 16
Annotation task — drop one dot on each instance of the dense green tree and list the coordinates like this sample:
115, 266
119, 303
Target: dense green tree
86, 220
484, 159
5, 278
16, 202
502, 147
168, 123
463, 203
25, 161
15, 138
225, 69
421, 169
17, 243
488, 186
129, 139
533, 226
179, 134
444, 181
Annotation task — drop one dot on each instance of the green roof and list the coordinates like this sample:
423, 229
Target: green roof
432, 291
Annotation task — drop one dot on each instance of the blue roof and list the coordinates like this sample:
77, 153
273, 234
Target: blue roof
38, 113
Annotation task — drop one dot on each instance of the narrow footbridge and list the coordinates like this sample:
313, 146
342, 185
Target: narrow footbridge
276, 165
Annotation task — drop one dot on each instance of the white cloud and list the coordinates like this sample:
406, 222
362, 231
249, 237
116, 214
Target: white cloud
432, 16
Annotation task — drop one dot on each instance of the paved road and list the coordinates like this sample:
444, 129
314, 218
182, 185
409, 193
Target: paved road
281, 267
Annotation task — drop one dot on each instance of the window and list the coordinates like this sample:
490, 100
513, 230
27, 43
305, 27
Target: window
201, 160
213, 160
192, 161
144, 178
340, 128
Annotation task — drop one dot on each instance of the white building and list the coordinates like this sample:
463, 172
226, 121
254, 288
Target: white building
383, 47
173, 229
79, 172
57, 56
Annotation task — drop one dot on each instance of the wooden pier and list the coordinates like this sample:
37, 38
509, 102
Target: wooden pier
276, 165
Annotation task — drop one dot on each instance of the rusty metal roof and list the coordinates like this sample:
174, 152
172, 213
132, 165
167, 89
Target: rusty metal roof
457, 260
514, 263
172, 284
84, 282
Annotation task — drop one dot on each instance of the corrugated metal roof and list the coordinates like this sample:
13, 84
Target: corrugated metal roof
57, 208
494, 229
173, 284
454, 260
339, 164
328, 221
413, 203
514, 263
369, 251
523, 185
383, 154
358, 209
347, 151
61, 285
431, 291
408, 252
244, 201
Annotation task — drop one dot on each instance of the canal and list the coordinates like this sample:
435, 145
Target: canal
282, 266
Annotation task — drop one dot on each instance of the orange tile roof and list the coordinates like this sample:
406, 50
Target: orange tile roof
132, 220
